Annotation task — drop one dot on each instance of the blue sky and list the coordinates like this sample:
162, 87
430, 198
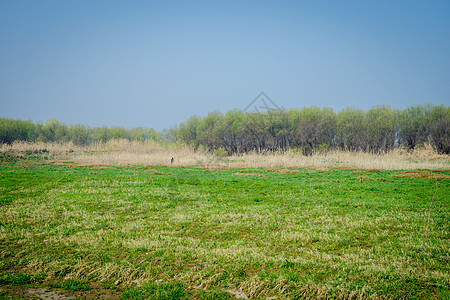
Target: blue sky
157, 63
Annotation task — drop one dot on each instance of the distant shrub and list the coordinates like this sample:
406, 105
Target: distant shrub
220, 152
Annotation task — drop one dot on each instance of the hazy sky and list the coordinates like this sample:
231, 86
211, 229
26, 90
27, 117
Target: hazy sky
156, 63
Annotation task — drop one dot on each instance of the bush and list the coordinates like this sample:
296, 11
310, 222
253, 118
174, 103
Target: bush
220, 152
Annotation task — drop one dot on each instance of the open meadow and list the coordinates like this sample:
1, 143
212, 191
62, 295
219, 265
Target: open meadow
120, 222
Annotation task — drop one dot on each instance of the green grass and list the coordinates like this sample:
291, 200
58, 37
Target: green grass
15, 279
197, 234
73, 285
157, 292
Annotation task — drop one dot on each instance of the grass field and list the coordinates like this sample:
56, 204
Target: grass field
190, 232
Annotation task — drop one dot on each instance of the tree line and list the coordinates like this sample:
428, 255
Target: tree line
311, 129
306, 130
55, 131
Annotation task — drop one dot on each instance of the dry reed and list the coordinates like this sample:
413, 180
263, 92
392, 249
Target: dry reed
150, 153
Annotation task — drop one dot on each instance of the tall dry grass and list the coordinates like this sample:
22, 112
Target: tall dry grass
423, 158
124, 152
116, 152
57, 149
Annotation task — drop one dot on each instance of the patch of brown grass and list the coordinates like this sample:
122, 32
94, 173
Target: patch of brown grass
147, 167
321, 170
248, 174
215, 168
286, 171
91, 166
59, 163
156, 172
347, 168
364, 178
425, 174
366, 171
247, 171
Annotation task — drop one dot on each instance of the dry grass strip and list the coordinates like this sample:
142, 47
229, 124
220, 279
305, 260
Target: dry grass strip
147, 167
425, 174
92, 166
286, 171
366, 178
156, 172
346, 168
248, 174
248, 170
216, 168
366, 171
372, 170
321, 170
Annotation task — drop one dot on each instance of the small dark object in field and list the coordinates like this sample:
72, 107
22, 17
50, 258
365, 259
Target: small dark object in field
171, 161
